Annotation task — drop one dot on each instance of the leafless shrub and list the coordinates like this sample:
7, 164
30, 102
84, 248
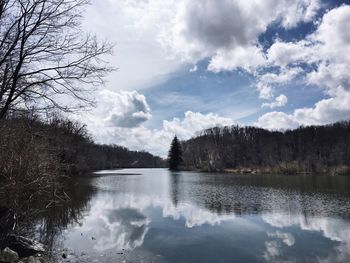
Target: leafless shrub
28, 167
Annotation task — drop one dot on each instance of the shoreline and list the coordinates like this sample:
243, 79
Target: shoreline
332, 171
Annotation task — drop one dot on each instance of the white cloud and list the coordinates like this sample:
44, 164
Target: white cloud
333, 35
325, 111
279, 101
304, 11
194, 68
194, 122
276, 121
283, 54
248, 58
330, 76
134, 27
120, 109
227, 31
265, 91
284, 76
266, 85
325, 52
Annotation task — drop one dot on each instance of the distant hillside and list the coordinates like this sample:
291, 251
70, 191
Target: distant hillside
312, 149
114, 156
67, 146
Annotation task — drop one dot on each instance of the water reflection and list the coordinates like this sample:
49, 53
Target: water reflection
333, 229
175, 190
192, 217
111, 226
48, 225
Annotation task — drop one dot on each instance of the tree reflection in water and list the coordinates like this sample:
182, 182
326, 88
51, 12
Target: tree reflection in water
46, 224
182, 216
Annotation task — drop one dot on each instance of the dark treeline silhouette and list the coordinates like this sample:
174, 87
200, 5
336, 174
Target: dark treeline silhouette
77, 152
35, 153
73, 148
308, 149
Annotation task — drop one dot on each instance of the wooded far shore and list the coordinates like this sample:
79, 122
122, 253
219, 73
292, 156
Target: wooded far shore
308, 150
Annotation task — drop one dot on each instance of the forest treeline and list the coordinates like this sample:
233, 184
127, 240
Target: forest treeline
68, 144
34, 153
311, 149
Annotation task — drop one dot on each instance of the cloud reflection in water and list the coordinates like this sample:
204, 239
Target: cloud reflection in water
133, 213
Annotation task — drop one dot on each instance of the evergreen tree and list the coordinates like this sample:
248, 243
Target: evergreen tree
175, 155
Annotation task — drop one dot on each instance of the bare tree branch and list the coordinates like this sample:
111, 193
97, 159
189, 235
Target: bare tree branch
43, 54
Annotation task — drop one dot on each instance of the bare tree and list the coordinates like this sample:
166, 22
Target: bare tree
310, 149
44, 56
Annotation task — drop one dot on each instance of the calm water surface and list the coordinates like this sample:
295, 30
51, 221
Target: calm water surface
153, 215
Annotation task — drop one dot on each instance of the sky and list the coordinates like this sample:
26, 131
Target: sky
187, 65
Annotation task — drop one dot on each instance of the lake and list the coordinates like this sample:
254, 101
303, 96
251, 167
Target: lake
153, 215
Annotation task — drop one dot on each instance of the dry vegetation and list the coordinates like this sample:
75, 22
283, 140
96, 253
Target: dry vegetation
35, 155
28, 166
